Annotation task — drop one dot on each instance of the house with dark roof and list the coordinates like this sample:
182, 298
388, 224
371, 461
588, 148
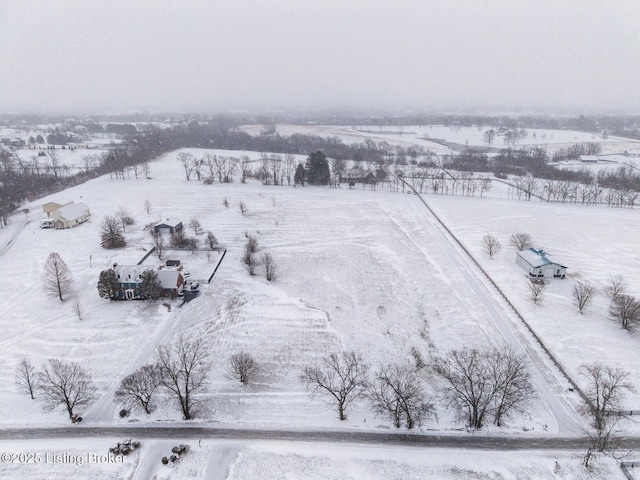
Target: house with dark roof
539, 264
170, 225
358, 175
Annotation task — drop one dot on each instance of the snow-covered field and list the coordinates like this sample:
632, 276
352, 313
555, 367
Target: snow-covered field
596, 243
429, 135
218, 460
358, 269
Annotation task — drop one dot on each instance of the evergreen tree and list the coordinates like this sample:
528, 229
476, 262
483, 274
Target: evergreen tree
317, 169
107, 284
150, 287
298, 177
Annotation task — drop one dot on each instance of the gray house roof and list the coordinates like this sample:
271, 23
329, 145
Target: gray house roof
538, 258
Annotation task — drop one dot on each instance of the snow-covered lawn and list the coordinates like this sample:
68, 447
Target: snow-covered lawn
218, 460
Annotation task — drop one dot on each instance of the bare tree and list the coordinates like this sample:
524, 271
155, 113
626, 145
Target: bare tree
471, 390
275, 165
617, 286
26, 378
183, 367
57, 277
197, 165
485, 186
187, 161
111, 233
511, 382
625, 309
606, 386
583, 294
269, 265
158, 243
243, 367
137, 390
136, 168
77, 307
54, 162
398, 393
245, 168
125, 218
536, 290
341, 376
179, 239
521, 241
211, 240
147, 206
65, 384
195, 225
489, 136
490, 245
243, 208
289, 166
250, 248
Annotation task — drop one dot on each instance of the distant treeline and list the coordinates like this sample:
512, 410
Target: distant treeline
21, 179
620, 124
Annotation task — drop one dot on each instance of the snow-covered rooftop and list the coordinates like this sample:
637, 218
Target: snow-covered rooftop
132, 273
169, 222
538, 258
73, 211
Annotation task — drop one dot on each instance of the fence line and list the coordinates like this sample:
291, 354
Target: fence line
146, 255
504, 297
625, 466
216, 269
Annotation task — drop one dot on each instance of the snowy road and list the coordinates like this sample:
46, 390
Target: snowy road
4, 248
472, 290
195, 432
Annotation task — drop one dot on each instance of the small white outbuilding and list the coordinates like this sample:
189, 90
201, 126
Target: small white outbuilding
538, 264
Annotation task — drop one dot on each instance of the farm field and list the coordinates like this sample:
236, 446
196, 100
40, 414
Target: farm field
428, 136
594, 242
357, 269
353, 274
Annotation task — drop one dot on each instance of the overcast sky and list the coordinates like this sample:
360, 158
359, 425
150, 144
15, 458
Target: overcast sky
218, 55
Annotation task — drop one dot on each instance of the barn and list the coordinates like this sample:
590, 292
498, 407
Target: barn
538, 264
170, 225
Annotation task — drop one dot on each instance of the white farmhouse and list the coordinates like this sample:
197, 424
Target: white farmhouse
538, 263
